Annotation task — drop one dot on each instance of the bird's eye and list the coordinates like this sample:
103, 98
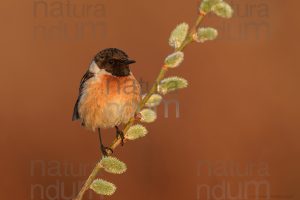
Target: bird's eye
111, 62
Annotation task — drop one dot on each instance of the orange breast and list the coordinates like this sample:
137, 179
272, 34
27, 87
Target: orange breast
108, 101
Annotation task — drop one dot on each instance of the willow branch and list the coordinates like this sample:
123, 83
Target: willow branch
152, 91
89, 181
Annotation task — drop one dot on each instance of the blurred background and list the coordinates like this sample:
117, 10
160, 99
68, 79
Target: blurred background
232, 134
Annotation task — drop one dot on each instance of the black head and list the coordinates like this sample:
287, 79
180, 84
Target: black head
114, 61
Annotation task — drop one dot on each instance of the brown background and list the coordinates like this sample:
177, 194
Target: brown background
242, 106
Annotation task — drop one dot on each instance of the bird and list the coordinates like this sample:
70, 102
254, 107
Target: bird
109, 94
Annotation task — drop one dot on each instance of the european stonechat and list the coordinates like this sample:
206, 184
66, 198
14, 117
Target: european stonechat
109, 94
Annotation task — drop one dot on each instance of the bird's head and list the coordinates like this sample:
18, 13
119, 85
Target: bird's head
114, 61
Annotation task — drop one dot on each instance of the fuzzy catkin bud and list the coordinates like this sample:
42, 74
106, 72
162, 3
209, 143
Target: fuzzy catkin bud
174, 59
222, 9
103, 187
171, 84
113, 165
207, 5
148, 115
154, 100
135, 132
204, 34
178, 35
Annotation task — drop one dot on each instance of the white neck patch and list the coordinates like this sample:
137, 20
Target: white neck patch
94, 68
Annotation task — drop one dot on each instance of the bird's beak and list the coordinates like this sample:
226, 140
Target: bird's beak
128, 62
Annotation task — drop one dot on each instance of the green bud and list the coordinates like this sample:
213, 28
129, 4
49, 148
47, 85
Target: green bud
178, 35
171, 84
207, 5
103, 187
148, 115
113, 165
135, 132
174, 60
223, 9
204, 34
154, 100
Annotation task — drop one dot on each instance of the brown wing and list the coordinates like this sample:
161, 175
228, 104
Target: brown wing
85, 77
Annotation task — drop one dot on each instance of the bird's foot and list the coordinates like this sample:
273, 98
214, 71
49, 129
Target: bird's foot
121, 135
137, 116
105, 150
